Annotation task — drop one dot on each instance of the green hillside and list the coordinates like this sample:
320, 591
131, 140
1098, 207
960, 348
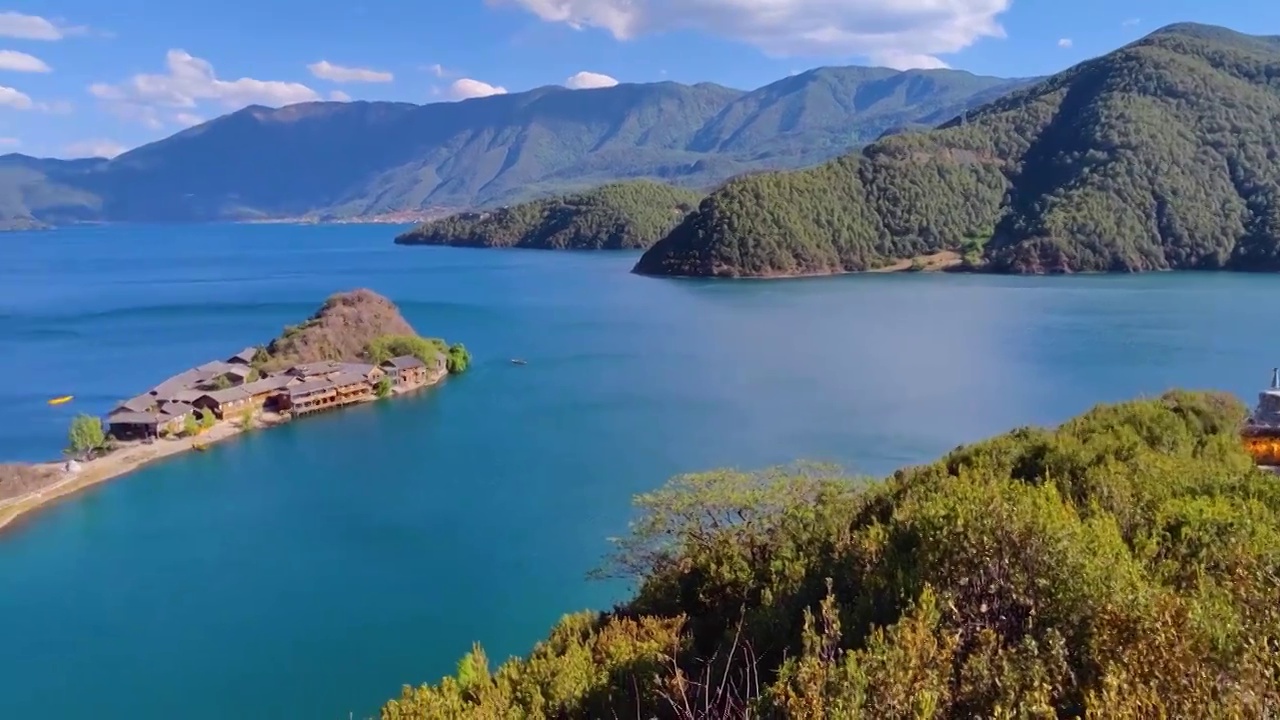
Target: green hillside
1123, 565
619, 216
341, 160
1160, 155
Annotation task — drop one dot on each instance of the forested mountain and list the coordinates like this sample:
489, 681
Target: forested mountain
619, 216
1124, 565
1163, 154
328, 159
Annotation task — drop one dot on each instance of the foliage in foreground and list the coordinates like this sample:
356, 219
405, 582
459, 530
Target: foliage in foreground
1159, 155
1124, 565
621, 216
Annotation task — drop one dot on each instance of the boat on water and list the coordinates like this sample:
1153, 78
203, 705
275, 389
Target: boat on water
199, 447
60, 400
518, 361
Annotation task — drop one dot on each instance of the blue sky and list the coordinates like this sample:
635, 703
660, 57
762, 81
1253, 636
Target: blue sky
81, 77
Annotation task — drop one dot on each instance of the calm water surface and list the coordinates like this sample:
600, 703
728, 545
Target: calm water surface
309, 571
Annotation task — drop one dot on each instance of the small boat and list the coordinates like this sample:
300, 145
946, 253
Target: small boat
200, 447
518, 361
60, 400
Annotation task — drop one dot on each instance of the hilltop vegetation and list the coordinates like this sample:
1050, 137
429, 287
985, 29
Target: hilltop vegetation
338, 160
1124, 565
1160, 155
620, 216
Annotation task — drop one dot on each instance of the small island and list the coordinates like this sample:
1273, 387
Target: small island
356, 348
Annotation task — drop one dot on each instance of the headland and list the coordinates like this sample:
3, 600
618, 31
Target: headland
355, 349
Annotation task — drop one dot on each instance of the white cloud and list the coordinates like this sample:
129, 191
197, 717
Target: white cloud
896, 33
10, 141
15, 99
589, 80
326, 70
94, 148
186, 119
1064, 43
1130, 22
22, 62
34, 27
189, 82
438, 70
339, 96
464, 88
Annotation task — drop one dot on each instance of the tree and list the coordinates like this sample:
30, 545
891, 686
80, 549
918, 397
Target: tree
383, 387
246, 418
207, 420
222, 382
190, 426
85, 435
458, 359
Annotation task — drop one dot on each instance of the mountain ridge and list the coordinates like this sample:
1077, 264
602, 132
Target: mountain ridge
330, 160
1158, 155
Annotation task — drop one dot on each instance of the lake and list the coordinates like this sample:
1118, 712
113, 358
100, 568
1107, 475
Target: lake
310, 570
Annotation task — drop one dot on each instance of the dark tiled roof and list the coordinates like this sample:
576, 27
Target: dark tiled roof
349, 378
132, 418
323, 367
245, 356
142, 403
358, 368
172, 410
228, 395
310, 388
268, 384
404, 362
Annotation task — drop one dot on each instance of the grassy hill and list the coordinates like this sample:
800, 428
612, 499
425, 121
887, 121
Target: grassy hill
1160, 155
328, 159
1123, 565
620, 216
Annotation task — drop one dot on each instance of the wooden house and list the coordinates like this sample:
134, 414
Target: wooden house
405, 371
133, 425
224, 402
312, 396
244, 357
352, 387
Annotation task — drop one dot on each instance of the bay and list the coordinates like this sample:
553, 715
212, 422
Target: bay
310, 570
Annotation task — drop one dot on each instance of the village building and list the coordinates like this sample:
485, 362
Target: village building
351, 387
315, 370
244, 357
405, 371
312, 396
224, 402
270, 393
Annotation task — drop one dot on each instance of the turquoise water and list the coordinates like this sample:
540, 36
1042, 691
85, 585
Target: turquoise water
310, 570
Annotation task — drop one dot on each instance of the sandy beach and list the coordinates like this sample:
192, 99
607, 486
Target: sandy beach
52, 481
122, 461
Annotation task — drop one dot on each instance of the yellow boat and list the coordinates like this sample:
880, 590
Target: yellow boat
199, 446
60, 400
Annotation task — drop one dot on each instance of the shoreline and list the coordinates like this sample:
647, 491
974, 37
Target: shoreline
136, 456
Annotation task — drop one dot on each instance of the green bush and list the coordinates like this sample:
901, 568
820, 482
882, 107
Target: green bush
1123, 565
85, 435
458, 359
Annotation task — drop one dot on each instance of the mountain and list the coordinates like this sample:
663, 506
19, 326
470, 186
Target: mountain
1122, 565
619, 216
333, 160
1160, 155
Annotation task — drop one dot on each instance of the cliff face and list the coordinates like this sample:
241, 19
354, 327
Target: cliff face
340, 330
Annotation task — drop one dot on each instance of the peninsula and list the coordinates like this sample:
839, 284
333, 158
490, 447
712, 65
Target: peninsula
356, 348
1157, 156
620, 216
